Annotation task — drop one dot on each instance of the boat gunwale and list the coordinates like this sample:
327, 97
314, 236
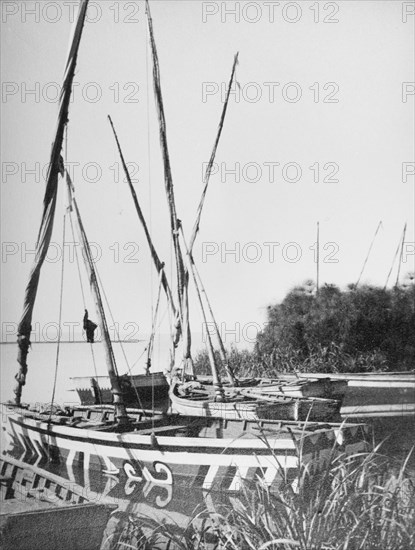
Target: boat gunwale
254, 441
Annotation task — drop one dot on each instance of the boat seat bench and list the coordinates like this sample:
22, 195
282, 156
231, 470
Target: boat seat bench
161, 429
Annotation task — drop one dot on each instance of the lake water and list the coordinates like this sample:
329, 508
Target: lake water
75, 359
139, 503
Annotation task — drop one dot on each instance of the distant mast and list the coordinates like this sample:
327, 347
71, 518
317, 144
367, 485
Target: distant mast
49, 205
400, 256
318, 258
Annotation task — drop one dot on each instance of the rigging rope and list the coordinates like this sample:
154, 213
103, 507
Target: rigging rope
59, 321
69, 210
146, 348
77, 262
119, 342
149, 158
211, 352
83, 299
153, 324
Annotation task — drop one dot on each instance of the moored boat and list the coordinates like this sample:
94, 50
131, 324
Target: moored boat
213, 453
206, 450
41, 510
376, 395
136, 389
250, 403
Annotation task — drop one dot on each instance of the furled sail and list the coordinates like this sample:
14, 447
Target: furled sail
49, 204
182, 274
168, 180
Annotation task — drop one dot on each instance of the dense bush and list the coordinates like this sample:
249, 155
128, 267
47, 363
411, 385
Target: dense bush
367, 328
356, 330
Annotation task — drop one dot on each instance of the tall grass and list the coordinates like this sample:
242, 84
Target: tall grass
287, 359
360, 502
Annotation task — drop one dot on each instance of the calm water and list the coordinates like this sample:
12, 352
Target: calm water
133, 499
138, 503
75, 359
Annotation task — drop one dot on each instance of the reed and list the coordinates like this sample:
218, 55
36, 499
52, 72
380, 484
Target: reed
360, 502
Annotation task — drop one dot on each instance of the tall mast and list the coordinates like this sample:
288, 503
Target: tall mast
156, 259
212, 158
49, 206
318, 259
211, 353
400, 256
168, 180
182, 274
368, 253
120, 411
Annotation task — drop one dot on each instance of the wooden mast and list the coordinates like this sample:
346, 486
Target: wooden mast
49, 206
182, 273
120, 411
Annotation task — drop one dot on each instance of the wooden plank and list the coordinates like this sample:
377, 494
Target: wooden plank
159, 429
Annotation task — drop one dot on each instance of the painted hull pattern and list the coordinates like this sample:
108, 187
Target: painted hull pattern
217, 463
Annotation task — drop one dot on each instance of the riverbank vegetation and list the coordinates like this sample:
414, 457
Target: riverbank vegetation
364, 329
358, 502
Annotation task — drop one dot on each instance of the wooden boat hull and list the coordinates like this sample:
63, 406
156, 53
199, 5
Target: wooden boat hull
324, 388
379, 402
369, 379
377, 396
253, 404
293, 386
370, 395
94, 390
41, 512
135, 502
209, 453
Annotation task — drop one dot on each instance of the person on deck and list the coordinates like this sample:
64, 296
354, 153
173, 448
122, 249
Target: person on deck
89, 328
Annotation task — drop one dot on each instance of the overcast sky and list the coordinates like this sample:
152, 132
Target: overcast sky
320, 128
